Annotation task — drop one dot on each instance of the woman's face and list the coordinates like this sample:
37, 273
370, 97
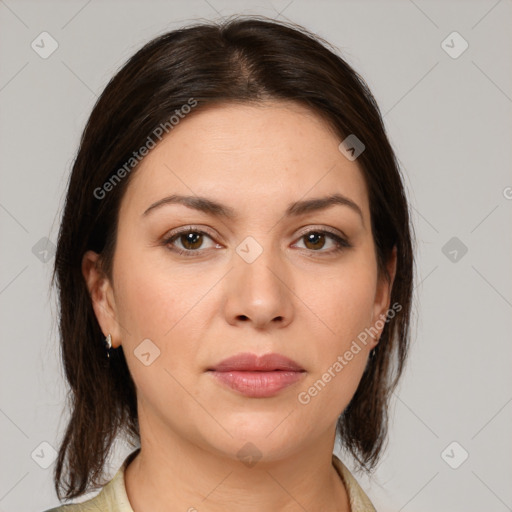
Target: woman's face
254, 281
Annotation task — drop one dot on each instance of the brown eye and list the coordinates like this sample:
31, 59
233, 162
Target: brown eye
192, 240
189, 242
314, 240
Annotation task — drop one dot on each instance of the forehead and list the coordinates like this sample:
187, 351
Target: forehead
248, 155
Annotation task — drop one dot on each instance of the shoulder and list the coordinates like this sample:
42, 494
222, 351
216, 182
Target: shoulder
111, 498
98, 503
359, 501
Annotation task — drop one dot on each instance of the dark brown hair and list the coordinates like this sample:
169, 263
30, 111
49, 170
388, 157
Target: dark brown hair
242, 59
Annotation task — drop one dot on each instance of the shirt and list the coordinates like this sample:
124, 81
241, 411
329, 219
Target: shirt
113, 497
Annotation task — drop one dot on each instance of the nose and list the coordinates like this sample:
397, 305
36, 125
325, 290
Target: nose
259, 293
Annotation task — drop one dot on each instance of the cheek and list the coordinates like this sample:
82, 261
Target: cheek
344, 301
156, 302
157, 305
152, 298
343, 309
145, 305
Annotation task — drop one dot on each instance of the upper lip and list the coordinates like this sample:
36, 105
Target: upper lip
251, 362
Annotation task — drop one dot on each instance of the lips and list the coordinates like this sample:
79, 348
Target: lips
252, 363
257, 377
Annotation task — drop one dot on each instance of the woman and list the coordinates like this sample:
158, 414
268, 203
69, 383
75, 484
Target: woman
235, 273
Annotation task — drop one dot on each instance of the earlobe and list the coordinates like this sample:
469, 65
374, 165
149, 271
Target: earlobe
392, 269
383, 296
102, 297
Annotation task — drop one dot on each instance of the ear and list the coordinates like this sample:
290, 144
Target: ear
383, 297
102, 296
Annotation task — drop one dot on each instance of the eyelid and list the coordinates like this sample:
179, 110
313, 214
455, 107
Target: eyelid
332, 231
302, 231
190, 228
338, 237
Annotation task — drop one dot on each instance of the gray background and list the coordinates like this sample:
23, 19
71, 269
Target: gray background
449, 119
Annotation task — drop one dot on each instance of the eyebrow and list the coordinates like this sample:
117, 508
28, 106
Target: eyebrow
216, 209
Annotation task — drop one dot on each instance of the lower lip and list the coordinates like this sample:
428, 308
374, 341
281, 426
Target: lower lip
258, 384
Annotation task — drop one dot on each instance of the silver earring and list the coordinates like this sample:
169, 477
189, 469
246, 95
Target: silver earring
373, 354
108, 344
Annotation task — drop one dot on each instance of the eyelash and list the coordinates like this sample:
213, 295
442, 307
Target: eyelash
341, 243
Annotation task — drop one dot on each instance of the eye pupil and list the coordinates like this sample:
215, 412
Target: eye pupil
314, 239
191, 238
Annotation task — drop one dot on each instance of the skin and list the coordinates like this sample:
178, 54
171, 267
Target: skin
298, 298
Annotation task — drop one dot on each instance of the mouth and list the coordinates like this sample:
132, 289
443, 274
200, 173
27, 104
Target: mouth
257, 377
253, 363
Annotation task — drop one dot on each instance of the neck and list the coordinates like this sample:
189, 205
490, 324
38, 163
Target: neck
170, 473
